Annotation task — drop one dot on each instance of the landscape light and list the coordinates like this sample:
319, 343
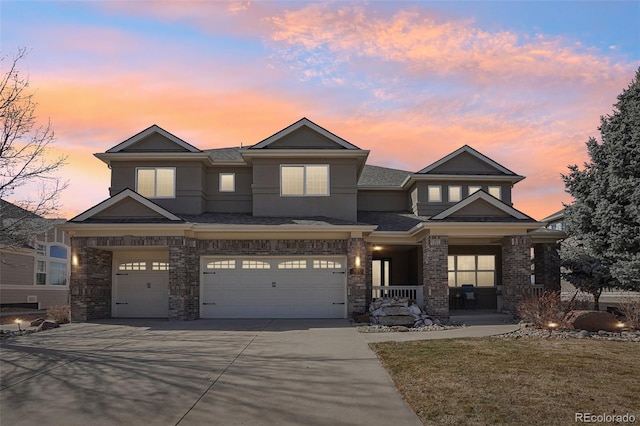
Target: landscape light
19, 321
552, 325
620, 324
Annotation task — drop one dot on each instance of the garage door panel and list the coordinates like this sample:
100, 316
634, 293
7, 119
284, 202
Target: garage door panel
141, 293
250, 293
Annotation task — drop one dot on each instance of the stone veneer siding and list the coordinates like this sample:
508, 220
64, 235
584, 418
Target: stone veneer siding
435, 251
516, 271
90, 284
357, 294
547, 265
91, 280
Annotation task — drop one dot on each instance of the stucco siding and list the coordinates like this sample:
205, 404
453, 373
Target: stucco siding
341, 203
383, 201
189, 197
238, 201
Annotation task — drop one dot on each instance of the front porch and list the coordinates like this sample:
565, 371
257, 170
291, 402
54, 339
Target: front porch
501, 273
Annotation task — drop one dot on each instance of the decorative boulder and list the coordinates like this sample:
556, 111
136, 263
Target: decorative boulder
48, 325
592, 320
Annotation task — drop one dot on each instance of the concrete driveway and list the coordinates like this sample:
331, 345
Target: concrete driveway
205, 372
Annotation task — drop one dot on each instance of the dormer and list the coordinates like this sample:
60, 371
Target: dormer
305, 170
457, 176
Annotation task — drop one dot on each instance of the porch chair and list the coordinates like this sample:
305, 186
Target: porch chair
469, 296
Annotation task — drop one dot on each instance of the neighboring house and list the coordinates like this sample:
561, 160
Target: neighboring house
34, 271
609, 297
298, 225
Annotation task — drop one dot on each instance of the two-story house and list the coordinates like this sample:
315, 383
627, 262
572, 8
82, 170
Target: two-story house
296, 226
34, 263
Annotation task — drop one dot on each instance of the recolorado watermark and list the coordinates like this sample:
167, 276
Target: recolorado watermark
604, 418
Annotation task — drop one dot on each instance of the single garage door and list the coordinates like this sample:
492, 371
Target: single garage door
141, 289
273, 287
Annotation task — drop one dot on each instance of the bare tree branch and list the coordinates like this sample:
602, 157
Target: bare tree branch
25, 161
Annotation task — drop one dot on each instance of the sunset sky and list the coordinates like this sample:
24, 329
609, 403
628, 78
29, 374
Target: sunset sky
522, 82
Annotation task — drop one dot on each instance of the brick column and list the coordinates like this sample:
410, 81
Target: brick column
90, 284
516, 270
357, 277
435, 250
547, 265
184, 280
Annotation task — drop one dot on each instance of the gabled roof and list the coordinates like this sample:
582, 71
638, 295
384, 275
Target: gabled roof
300, 124
155, 212
154, 129
376, 176
557, 216
501, 211
466, 150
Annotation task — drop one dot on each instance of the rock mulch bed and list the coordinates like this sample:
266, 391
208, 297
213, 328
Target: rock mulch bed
364, 328
39, 324
529, 331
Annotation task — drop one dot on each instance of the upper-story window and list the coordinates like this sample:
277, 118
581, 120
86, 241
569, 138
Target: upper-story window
227, 182
304, 180
455, 193
496, 191
434, 193
156, 182
474, 188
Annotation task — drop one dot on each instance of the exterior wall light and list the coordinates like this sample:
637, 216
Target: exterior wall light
358, 262
74, 260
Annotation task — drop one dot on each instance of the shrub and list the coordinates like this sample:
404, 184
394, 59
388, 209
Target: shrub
59, 313
630, 308
542, 310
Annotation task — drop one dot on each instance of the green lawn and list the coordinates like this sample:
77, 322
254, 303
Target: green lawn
514, 382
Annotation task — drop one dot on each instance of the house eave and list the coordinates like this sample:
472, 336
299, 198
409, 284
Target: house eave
513, 179
108, 157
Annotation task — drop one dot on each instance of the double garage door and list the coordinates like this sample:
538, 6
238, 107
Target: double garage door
276, 287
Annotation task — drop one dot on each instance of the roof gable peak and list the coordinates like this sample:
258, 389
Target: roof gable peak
179, 144
330, 140
485, 165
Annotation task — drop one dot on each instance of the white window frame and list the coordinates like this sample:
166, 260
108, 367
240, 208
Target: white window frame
155, 181
304, 180
452, 199
433, 199
499, 190
233, 182
43, 257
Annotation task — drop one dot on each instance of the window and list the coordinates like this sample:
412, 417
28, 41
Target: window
222, 264
309, 180
496, 191
160, 266
133, 266
156, 182
474, 188
52, 264
293, 264
434, 193
227, 182
326, 264
479, 270
455, 193
255, 264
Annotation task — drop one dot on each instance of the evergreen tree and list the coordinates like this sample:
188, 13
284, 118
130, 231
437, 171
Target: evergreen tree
604, 219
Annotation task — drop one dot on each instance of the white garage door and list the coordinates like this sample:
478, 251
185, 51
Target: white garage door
141, 289
273, 287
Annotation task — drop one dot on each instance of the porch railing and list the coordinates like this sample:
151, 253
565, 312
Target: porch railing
414, 292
